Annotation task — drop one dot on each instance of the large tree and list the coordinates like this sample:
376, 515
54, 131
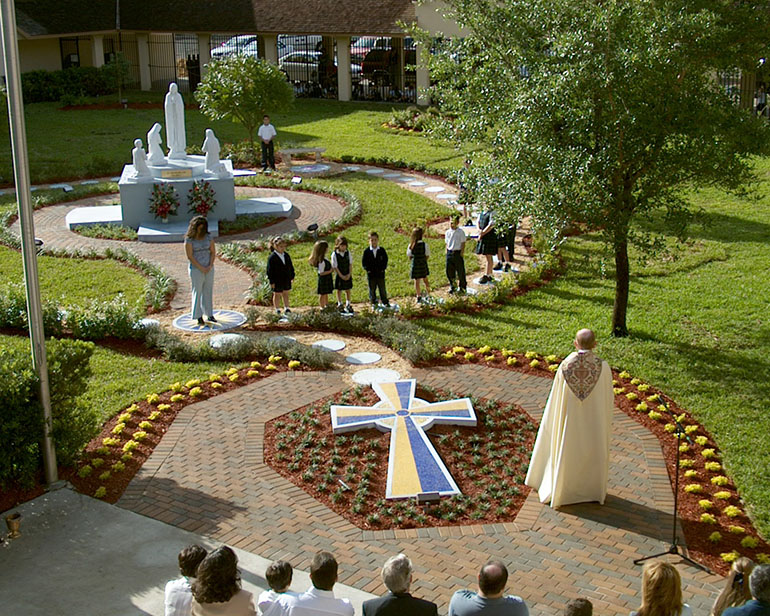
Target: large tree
243, 88
599, 111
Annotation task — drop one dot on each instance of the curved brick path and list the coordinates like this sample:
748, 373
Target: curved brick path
219, 486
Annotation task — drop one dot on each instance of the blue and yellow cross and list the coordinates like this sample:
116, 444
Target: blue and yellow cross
414, 465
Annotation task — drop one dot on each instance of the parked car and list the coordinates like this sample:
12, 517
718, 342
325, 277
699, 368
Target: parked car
306, 66
381, 59
246, 44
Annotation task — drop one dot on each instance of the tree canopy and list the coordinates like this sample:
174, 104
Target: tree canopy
597, 111
243, 89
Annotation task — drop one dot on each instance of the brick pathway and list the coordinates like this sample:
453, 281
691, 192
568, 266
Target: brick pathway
207, 475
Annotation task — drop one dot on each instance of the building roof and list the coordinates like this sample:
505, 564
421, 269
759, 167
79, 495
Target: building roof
58, 17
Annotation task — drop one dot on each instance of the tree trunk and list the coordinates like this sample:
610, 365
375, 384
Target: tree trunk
622, 275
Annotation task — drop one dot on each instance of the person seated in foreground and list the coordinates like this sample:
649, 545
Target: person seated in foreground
278, 576
759, 585
579, 607
319, 599
662, 592
397, 577
217, 588
489, 600
178, 595
736, 591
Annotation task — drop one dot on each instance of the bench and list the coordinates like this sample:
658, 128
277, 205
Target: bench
288, 153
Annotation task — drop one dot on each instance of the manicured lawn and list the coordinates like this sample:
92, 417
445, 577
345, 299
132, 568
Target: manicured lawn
386, 209
70, 282
79, 144
699, 328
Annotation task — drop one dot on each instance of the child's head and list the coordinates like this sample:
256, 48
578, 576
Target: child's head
265, 119
374, 239
319, 252
190, 558
278, 575
341, 243
416, 235
277, 243
454, 221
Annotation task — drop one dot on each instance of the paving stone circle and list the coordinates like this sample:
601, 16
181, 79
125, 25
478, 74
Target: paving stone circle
317, 168
434, 189
375, 171
376, 375
363, 358
330, 344
226, 319
391, 175
417, 183
446, 196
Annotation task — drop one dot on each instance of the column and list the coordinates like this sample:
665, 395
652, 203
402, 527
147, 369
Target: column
398, 46
204, 52
748, 88
97, 50
143, 58
271, 48
344, 85
422, 77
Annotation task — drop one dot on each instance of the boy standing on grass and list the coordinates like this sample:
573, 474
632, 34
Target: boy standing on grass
375, 262
454, 238
266, 135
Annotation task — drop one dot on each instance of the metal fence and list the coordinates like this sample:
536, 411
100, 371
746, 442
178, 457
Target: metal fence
731, 82
126, 45
383, 69
174, 57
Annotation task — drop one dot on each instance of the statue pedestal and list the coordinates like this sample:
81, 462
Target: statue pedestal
135, 193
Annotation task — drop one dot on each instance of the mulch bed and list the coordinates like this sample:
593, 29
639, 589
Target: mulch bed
348, 472
101, 106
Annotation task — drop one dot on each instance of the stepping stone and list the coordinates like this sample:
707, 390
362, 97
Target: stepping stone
351, 168
417, 183
222, 340
375, 171
404, 178
330, 344
226, 319
34, 188
434, 189
282, 339
359, 359
87, 182
446, 196
146, 323
376, 375
64, 187
317, 168
243, 172
115, 179
391, 175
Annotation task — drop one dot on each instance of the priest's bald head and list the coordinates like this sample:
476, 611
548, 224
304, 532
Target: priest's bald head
585, 340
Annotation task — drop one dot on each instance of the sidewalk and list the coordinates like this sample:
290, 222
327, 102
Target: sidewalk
78, 555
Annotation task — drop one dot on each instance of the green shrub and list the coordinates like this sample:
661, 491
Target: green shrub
13, 311
104, 318
21, 415
71, 84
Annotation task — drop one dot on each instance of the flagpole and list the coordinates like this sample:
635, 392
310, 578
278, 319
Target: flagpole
28, 248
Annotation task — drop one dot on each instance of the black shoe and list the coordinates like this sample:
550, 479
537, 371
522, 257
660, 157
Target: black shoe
211, 319
349, 309
469, 223
498, 266
287, 311
462, 291
485, 279
201, 321
452, 291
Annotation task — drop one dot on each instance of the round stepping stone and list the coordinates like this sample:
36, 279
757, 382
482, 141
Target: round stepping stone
434, 189
226, 319
222, 340
391, 175
376, 375
375, 171
282, 339
404, 178
360, 359
317, 168
330, 344
446, 196
351, 168
417, 183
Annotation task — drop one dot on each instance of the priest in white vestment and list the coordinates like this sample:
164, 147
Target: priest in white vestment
571, 458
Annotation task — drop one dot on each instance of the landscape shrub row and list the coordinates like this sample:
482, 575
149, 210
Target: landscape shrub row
69, 83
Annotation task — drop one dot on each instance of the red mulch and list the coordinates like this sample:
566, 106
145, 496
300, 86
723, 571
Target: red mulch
499, 445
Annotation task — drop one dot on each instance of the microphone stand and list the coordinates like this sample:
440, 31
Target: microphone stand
673, 547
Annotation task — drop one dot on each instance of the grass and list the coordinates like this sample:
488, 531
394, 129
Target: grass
387, 209
78, 144
699, 327
71, 281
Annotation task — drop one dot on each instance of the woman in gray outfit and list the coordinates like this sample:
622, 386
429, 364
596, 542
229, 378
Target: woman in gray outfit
201, 253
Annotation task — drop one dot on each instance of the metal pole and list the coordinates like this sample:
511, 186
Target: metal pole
28, 249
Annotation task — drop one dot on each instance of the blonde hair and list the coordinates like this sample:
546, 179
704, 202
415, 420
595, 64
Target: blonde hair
340, 241
318, 254
661, 591
273, 241
415, 237
736, 591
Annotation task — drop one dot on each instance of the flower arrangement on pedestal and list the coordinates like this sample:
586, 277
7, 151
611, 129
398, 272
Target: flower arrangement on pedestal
201, 198
164, 201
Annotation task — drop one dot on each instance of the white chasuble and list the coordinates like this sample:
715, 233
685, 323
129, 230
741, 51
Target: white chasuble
571, 458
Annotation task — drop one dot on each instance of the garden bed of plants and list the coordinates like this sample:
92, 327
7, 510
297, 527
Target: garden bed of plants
348, 472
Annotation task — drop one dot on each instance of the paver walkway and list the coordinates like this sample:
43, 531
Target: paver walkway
208, 476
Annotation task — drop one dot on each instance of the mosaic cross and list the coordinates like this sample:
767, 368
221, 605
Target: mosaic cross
414, 466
